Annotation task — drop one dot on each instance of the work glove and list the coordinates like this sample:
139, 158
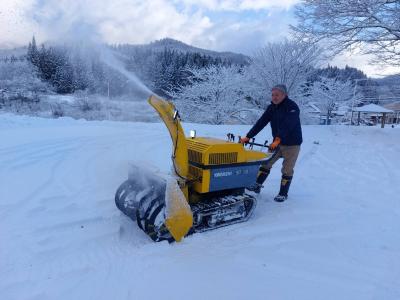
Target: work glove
244, 140
275, 144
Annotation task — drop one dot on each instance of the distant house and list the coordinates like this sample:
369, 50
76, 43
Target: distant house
310, 113
375, 113
395, 117
342, 110
313, 108
315, 111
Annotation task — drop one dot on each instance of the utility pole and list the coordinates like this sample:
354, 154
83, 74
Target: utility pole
354, 96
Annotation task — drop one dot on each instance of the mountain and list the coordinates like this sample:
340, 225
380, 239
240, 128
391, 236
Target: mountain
390, 79
171, 44
389, 88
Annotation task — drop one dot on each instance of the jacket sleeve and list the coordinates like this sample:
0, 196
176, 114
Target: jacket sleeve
290, 120
260, 124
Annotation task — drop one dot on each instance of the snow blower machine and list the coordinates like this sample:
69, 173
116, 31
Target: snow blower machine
207, 187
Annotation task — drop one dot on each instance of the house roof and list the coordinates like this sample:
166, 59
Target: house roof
314, 107
373, 108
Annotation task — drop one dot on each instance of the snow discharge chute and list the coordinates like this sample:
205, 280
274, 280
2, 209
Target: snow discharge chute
179, 218
205, 190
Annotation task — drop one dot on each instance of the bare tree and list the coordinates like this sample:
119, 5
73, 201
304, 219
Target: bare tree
372, 26
287, 62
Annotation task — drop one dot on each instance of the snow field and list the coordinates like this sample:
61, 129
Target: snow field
61, 236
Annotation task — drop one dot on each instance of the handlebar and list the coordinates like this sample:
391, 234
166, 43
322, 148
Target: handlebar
250, 144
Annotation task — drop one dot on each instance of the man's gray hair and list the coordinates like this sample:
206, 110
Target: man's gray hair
280, 87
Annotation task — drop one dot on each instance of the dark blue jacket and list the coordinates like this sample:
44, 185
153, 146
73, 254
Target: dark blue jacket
285, 122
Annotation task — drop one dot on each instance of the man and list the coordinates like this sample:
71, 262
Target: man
284, 116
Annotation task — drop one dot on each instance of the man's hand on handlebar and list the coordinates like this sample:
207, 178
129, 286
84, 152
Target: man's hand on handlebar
244, 140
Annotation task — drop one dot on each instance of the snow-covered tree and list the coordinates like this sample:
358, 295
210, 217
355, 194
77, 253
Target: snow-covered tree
19, 86
287, 62
343, 74
220, 94
81, 70
20, 77
162, 68
33, 53
372, 25
216, 95
329, 94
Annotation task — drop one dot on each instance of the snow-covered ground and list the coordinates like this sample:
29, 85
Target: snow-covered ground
61, 237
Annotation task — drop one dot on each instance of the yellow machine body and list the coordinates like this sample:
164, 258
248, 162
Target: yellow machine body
209, 154
202, 165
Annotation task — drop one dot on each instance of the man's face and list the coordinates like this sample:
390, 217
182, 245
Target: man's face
277, 96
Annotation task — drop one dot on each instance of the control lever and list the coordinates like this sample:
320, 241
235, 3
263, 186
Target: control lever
252, 142
176, 115
231, 137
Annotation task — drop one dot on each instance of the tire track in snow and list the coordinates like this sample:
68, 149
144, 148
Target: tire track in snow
93, 230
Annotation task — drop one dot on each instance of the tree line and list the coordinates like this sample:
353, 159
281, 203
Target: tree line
69, 69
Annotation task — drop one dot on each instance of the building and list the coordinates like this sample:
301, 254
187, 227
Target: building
375, 113
395, 117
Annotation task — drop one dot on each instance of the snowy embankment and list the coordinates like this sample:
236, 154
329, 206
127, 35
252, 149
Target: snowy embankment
61, 237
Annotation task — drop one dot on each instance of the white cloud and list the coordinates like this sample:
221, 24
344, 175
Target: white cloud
246, 35
15, 27
121, 21
360, 61
118, 21
264, 4
239, 5
136, 21
231, 25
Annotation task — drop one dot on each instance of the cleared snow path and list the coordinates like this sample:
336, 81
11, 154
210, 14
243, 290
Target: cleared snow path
61, 237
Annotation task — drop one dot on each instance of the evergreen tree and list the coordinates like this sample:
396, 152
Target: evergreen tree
33, 53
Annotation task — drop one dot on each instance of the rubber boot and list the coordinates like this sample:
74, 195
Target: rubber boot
283, 192
262, 176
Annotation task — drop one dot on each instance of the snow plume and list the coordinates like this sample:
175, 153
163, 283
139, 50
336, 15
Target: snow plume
71, 27
108, 57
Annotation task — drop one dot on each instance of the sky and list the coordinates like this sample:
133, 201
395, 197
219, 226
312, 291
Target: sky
222, 25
